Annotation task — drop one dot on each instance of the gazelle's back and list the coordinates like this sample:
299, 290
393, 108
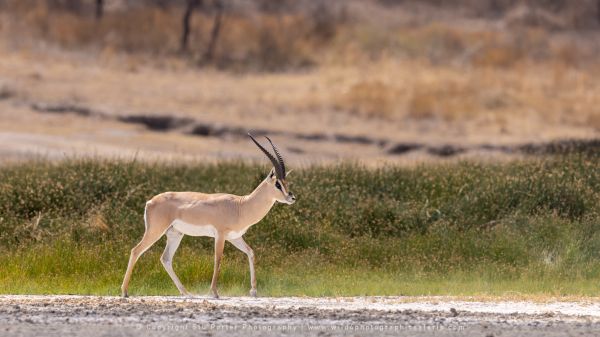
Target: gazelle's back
193, 208
179, 197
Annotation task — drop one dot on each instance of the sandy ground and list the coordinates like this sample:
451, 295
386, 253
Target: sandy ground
26, 315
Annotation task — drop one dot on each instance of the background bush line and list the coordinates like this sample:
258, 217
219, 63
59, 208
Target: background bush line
527, 222
277, 36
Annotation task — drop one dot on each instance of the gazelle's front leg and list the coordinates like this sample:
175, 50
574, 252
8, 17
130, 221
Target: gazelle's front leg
219, 244
240, 244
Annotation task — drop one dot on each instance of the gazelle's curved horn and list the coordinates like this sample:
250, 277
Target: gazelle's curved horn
279, 158
279, 172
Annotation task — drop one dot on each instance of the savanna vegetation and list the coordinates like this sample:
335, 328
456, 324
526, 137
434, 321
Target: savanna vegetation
490, 68
530, 227
511, 64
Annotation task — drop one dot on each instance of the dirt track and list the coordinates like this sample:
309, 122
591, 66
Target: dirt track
242, 316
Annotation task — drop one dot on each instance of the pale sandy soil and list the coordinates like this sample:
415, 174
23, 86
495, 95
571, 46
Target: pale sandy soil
27, 315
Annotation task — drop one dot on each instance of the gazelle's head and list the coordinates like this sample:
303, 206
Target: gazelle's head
276, 178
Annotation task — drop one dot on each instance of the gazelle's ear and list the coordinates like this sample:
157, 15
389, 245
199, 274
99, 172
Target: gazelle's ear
288, 173
272, 174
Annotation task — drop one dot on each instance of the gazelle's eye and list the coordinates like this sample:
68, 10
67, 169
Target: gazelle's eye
278, 185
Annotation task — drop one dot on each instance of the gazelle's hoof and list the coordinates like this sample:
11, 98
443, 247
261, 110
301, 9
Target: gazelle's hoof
214, 294
124, 294
253, 292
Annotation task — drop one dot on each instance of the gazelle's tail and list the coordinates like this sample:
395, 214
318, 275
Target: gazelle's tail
146, 214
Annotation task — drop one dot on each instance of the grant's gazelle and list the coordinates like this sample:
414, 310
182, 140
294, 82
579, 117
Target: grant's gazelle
225, 217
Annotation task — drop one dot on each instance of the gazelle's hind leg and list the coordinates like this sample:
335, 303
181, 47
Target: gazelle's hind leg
173, 240
150, 237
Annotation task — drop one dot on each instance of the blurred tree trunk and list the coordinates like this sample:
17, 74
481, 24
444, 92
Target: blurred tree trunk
216, 29
187, 17
99, 9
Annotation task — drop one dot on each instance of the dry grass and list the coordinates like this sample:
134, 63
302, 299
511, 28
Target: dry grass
593, 120
370, 98
452, 101
142, 29
248, 41
482, 77
453, 72
551, 91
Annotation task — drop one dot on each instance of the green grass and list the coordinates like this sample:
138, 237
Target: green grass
529, 227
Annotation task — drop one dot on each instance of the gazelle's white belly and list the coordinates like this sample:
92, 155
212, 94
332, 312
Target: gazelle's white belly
203, 230
194, 230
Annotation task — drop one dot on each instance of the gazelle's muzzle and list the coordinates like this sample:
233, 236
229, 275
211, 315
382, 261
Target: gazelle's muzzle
291, 198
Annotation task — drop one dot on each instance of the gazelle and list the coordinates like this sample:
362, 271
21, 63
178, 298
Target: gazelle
225, 217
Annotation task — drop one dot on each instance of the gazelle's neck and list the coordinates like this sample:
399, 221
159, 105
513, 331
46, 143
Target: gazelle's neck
254, 206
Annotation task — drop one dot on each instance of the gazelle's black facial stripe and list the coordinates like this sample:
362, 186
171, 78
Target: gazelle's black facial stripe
278, 185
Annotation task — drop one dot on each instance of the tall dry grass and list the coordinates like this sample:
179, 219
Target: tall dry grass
398, 66
552, 93
270, 41
451, 73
